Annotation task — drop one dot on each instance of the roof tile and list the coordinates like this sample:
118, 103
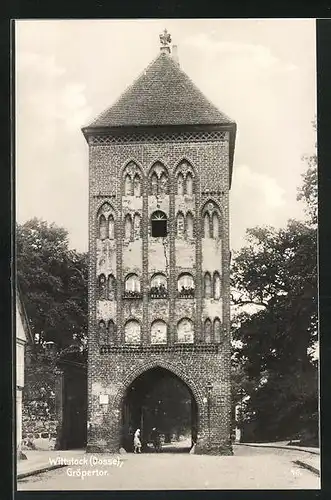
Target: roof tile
162, 95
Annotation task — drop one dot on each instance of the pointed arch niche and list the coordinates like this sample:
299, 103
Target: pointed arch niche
207, 331
185, 331
132, 180
159, 332
132, 332
211, 220
185, 178
158, 180
105, 222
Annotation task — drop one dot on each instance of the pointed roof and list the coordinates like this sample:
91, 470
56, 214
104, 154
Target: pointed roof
162, 95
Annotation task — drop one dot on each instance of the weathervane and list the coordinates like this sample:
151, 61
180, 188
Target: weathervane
165, 38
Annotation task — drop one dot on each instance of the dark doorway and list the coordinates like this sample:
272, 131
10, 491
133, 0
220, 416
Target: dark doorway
73, 433
158, 398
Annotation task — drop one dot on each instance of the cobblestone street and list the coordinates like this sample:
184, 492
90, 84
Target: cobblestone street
249, 468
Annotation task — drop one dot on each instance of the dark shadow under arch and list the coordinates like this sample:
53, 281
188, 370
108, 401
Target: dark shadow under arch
158, 397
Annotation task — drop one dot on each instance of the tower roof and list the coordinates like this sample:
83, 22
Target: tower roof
162, 95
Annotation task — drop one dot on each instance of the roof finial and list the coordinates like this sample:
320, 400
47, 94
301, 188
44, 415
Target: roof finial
165, 40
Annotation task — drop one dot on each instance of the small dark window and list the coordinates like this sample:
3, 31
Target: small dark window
159, 225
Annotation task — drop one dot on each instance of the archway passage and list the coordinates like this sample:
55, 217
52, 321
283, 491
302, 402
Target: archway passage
158, 398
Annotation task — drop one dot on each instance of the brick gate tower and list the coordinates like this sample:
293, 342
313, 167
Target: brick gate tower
160, 165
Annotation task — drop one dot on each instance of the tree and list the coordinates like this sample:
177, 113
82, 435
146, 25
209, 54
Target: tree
274, 290
308, 192
53, 281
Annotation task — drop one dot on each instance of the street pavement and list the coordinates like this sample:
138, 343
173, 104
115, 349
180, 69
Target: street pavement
249, 468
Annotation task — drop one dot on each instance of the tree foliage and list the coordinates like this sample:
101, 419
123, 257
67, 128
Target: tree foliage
274, 291
53, 281
308, 192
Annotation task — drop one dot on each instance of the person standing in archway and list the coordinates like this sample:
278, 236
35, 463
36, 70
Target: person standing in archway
156, 440
137, 442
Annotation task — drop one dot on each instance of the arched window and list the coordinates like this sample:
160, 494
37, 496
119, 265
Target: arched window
215, 225
111, 331
158, 286
111, 287
154, 184
208, 331
128, 185
102, 287
163, 184
217, 330
206, 225
111, 227
103, 334
180, 224
132, 332
132, 283
103, 227
185, 286
159, 224
136, 226
136, 185
180, 184
128, 227
185, 331
189, 225
159, 332
189, 184
207, 286
216, 285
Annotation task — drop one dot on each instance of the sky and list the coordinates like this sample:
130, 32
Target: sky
261, 73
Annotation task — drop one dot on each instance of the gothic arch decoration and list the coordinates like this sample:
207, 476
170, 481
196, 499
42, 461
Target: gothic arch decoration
207, 331
189, 225
132, 283
180, 183
217, 327
189, 187
132, 332
158, 180
211, 217
137, 185
105, 221
132, 179
163, 184
180, 225
196, 390
111, 230
111, 331
137, 226
159, 286
111, 287
185, 286
216, 285
128, 227
128, 185
185, 331
102, 333
215, 225
206, 225
102, 287
159, 332
185, 176
207, 286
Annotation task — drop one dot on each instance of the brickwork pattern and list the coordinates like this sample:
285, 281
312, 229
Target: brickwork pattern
108, 369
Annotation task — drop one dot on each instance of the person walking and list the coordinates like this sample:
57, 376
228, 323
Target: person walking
155, 438
137, 442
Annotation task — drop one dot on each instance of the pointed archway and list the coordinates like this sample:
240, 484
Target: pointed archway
158, 398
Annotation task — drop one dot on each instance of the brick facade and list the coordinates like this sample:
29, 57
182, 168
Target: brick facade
128, 257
